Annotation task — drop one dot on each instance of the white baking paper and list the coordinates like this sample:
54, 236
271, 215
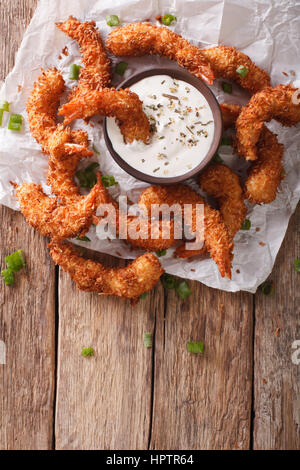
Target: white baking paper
269, 32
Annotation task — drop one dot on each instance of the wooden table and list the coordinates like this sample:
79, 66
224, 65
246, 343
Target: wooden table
244, 393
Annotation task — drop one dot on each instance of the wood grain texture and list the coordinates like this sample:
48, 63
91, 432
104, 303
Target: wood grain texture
203, 402
277, 326
104, 402
26, 309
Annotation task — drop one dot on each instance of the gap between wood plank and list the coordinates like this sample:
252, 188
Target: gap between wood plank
56, 326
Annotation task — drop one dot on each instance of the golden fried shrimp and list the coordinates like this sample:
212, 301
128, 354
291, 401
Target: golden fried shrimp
230, 113
216, 236
152, 236
267, 171
270, 103
124, 105
221, 182
130, 282
96, 73
224, 62
54, 220
138, 39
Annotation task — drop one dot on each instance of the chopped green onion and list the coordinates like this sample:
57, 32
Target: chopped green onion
95, 149
15, 261
87, 352
242, 71
168, 19
183, 290
227, 87
83, 239
297, 265
4, 105
148, 340
143, 295
1, 116
74, 72
108, 180
160, 253
121, 68
112, 20
168, 281
246, 224
226, 141
8, 276
195, 347
87, 177
217, 159
267, 288
15, 122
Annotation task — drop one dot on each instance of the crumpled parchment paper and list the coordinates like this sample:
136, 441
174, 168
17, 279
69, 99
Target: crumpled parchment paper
269, 32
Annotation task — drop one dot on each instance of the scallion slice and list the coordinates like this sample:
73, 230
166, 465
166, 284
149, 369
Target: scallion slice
4, 105
227, 87
83, 239
217, 159
15, 122
87, 352
148, 340
74, 72
297, 265
168, 19
1, 116
15, 261
242, 71
183, 290
246, 224
168, 281
108, 180
121, 68
112, 20
226, 141
95, 149
8, 276
195, 347
143, 295
267, 288
160, 253
87, 177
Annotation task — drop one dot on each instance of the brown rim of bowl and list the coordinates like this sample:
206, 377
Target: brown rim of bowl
217, 115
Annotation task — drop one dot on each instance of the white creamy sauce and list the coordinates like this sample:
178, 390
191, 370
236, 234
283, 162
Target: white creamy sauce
183, 128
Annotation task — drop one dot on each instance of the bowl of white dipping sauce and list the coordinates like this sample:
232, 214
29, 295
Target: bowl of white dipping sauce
186, 121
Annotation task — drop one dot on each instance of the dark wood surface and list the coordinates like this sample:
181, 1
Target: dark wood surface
243, 393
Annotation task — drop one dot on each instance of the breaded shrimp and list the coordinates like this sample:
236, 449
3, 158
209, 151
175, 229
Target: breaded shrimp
270, 103
221, 182
216, 236
153, 236
96, 73
124, 105
267, 171
225, 60
138, 39
130, 282
54, 220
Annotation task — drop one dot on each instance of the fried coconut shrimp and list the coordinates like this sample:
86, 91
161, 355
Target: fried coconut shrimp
130, 282
266, 173
124, 105
225, 61
138, 39
54, 220
96, 73
216, 236
221, 182
270, 103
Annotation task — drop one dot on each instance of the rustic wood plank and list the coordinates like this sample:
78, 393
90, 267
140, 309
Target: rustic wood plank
203, 402
104, 402
277, 379
26, 309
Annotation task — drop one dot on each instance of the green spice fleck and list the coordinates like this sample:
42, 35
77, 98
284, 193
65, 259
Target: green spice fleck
297, 265
168, 19
246, 224
160, 253
267, 288
112, 20
195, 347
227, 87
148, 340
242, 71
183, 290
83, 239
87, 352
74, 72
121, 68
